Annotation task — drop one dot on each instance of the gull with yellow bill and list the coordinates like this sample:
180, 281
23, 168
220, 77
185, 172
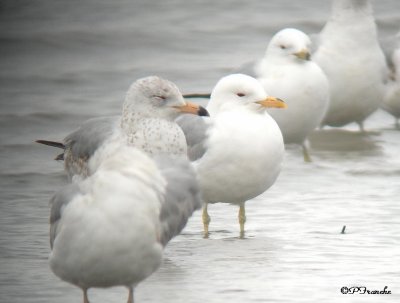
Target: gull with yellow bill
238, 151
288, 72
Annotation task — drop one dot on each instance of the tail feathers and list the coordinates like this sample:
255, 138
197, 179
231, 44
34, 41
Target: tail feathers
194, 96
51, 143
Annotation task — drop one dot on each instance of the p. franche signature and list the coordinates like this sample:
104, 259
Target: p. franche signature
361, 290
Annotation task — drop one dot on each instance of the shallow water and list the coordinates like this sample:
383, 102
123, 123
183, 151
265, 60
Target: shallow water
63, 62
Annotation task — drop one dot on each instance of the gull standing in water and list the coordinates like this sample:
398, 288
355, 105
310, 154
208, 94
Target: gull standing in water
391, 100
110, 228
147, 122
286, 71
351, 57
237, 152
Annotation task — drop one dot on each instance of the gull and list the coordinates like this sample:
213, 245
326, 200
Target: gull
237, 152
391, 100
147, 122
110, 228
350, 55
286, 71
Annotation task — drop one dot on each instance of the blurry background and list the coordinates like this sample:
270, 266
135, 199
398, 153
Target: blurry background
62, 62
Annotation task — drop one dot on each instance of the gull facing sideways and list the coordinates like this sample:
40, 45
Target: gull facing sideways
238, 151
147, 123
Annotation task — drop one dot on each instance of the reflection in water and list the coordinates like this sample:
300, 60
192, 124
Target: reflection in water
342, 140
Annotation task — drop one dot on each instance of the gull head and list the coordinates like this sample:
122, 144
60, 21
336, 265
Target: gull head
239, 90
155, 97
290, 43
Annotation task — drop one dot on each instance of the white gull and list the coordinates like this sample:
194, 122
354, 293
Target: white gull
391, 101
352, 59
238, 151
286, 71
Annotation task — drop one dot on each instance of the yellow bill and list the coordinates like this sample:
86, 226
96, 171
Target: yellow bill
272, 102
304, 54
192, 108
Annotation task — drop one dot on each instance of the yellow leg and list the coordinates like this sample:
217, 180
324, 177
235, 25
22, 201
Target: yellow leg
85, 296
361, 126
306, 154
206, 220
130, 296
242, 219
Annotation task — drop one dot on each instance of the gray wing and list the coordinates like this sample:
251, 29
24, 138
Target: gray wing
57, 203
82, 143
195, 129
182, 196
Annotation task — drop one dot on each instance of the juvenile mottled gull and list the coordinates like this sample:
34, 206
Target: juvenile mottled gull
147, 122
239, 150
110, 228
286, 71
350, 55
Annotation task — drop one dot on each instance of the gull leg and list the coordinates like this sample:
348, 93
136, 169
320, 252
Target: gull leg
130, 296
361, 126
306, 154
85, 296
242, 219
206, 220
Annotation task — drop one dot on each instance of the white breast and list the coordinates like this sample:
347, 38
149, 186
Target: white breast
243, 158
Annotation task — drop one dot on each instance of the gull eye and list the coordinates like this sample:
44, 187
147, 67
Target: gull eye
159, 100
159, 97
282, 46
240, 95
